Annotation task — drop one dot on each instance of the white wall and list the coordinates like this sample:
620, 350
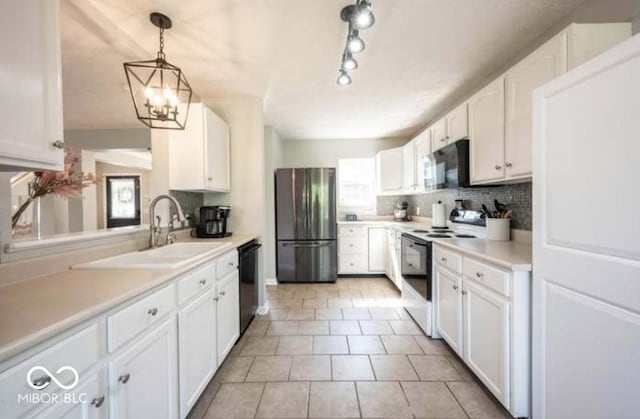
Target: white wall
273, 160
247, 197
325, 153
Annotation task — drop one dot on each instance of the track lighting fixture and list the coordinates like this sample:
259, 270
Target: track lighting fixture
358, 16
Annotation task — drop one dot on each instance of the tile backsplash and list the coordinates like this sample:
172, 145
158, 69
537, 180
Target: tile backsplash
189, 201
516, 197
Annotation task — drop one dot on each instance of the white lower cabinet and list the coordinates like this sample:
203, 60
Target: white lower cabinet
484, 314
377, 247
92, 394
449, 308
486, 338
144, 378
228, 313
197, 345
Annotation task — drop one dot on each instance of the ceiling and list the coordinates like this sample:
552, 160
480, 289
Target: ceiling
420, 54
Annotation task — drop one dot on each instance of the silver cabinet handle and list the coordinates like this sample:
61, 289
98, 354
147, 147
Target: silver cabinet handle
216, 298
464, 292
124, 379
153, 311
223, 293
443, 259
443, 139
231, 264
58, 144
507, 164
97, 401
209, 179
203, 281
351, 245
455, 287
498, 167
41, 381
448, 138
479, 274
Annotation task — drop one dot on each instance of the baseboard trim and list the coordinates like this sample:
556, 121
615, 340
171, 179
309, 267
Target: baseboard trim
263, 310
271, 281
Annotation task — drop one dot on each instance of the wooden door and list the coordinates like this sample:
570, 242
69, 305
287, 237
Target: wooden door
586, 263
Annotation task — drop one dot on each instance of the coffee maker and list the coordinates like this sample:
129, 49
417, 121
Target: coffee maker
213, 222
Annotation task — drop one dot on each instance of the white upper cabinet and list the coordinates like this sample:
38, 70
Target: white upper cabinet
199, 155
439, 134
486, 130
31, 134
422, 150
545, 64
409, 181
457, 124
389, 171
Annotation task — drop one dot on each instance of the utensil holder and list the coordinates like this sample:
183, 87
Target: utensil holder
499, 229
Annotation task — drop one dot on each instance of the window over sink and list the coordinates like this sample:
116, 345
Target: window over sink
357, 185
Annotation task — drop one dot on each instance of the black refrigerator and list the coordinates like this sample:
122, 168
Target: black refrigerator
306, 230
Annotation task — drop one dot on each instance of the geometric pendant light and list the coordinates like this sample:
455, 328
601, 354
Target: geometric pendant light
160, 91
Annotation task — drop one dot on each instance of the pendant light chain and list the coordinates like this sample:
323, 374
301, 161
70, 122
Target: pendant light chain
161, 55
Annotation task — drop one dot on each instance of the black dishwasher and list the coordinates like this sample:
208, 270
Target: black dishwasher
248, 256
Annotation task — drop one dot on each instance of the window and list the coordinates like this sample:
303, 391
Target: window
356, 185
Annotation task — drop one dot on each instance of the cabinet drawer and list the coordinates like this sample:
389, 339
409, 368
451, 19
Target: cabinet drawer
226, 264
79, 351
195, 282
350, 245
448, 259
353, 264
352, 230
132, 320
487, 275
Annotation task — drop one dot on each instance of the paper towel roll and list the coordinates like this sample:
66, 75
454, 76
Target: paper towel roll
439, 215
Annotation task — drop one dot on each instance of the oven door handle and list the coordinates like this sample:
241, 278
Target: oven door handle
420, 244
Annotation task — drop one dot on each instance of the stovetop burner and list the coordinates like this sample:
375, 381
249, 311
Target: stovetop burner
420, 231
439, 236
465, 236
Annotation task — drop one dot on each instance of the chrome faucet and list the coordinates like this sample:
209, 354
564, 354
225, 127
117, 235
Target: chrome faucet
154, 228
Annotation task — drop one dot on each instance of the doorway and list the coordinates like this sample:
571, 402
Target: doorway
123, 200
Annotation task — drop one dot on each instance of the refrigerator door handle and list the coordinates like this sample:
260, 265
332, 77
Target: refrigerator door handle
305, 244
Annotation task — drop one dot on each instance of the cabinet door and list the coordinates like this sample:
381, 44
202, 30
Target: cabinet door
95, 406
377, 247
409, 167
449, 309
545, 64
389, 170
31, 85
144, 378
457, 124
216, 146
439, 135
389, 260
486, 338
228, 316
486, 133
422, 149
197, 348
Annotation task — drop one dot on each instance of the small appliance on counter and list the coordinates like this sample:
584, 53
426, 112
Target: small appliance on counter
351, 217
401, 212
213, 222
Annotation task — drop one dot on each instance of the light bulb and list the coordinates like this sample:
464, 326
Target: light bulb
356, 44
158, 101
348, 63
168, 93
363, 17
148, 92
344, 79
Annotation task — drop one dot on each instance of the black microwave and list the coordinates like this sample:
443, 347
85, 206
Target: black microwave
448, 167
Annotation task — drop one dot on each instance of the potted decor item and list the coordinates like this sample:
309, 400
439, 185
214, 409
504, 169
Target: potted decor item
67, 183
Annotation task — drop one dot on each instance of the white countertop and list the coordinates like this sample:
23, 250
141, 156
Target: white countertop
36, 310
512, 255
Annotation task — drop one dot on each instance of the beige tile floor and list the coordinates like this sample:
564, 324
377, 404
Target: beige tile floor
343, 350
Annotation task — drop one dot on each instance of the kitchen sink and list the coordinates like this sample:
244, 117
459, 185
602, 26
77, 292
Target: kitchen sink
172, 256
